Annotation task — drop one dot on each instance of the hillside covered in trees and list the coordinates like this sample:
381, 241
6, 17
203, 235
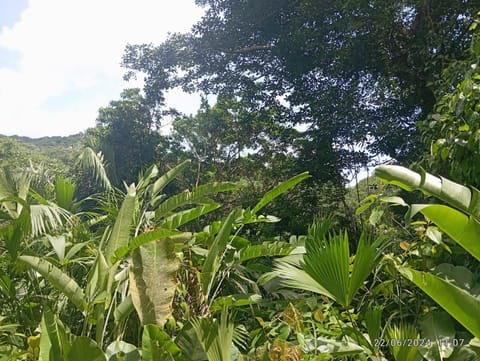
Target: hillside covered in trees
234, 235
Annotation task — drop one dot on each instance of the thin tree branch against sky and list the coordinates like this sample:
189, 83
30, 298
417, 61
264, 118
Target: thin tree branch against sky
60, 59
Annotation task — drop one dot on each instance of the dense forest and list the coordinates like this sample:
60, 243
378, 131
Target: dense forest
234, 233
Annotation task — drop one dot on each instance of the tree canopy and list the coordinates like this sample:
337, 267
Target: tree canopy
127, 136
356, 75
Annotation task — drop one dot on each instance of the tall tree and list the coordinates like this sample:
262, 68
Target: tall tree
219, 135
128, 136
452, 130
356, 74
232, 140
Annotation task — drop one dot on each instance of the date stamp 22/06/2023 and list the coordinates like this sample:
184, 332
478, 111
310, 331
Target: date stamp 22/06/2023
418, 342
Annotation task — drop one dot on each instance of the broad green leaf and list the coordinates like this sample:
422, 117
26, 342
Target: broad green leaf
14, 233
84, 348
58, 244
158, 346
375, 216
164, 180
57, 278
54, 342
122, 351
145, 178
460, 304
215, 253
279, 190
458, 275
121, 229
180, 218
438, 328
77, 247
393, 200
123, 310
266, 249
153, 280
148, 237
366, 203
463, 198
64, 191
96, 293
462, 229
196, 196
434, 234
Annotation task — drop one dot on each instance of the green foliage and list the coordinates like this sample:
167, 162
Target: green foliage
326, 267
462, 227
215, 253
277, 58
55, 153
453, 127
156, 273
84, 348
400, 336
60, 280
121, 229
153, 281
94, 163
217, 337
158, 346
438, 328
54, 341
456, 301
126, 136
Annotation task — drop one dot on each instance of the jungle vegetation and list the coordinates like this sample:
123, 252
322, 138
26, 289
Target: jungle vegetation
237, 235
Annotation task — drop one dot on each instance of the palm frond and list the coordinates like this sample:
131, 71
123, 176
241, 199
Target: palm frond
13, 185
295, 277
64, 191
94, 163
326, 266
216, 336
402, 342
366, 258
327, 261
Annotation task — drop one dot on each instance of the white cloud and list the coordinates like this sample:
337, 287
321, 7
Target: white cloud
75, 47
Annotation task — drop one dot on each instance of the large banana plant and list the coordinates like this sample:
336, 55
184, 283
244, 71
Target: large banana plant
216, 269
145, 228
460, 220
135, 266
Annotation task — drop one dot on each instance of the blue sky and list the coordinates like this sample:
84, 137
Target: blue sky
60, 59
10, 11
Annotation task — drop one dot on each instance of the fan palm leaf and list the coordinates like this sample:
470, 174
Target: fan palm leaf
326, 267
217, 337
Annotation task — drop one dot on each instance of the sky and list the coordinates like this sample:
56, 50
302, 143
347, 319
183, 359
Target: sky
60, 59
